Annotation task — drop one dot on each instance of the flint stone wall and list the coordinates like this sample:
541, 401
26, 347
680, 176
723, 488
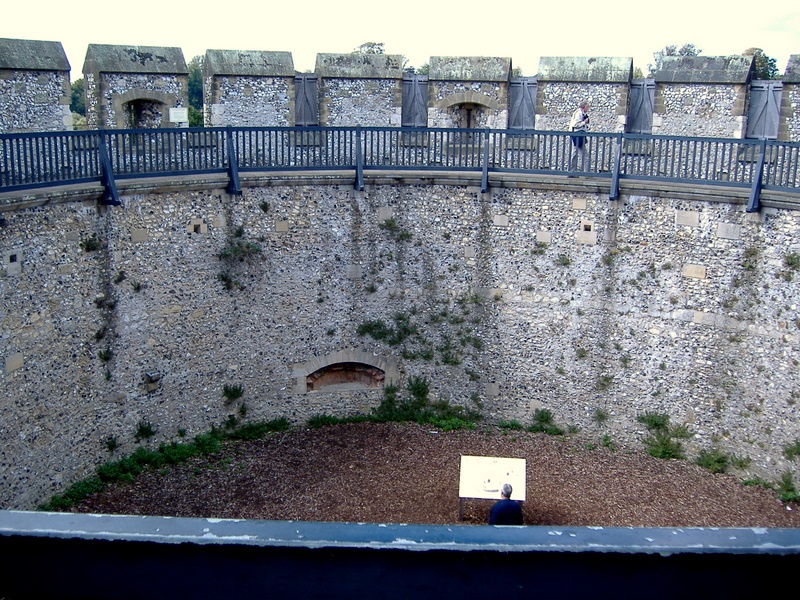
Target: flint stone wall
482, 82
564, 82
523, 299
702, 96
360, 89
790, 105
34, 86
248, 88
115, 76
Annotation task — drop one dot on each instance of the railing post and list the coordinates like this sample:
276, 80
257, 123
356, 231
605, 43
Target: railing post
613, 193
110, 193
234, 186
485, 172
754, 203
359, 183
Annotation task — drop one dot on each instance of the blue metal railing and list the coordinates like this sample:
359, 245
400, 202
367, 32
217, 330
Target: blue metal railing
31, 160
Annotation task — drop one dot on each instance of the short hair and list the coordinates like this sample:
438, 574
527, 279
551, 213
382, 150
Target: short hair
583, 104
506, 490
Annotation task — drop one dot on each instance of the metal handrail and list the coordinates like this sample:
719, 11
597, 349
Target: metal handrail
31, 160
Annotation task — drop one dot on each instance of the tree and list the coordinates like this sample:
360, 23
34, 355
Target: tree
672, 50
77, 101
196, 92
369, 48
765, 67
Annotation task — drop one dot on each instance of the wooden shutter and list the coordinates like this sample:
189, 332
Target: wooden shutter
306, 102
415, 101
764, 114
640, 111
522, 103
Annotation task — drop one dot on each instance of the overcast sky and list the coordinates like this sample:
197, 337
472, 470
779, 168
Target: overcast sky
416, 29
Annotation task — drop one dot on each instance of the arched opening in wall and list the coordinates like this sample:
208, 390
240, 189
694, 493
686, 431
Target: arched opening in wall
143, 114
345, 376
468, 115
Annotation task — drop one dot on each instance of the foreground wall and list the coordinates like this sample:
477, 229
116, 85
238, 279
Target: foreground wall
512, 300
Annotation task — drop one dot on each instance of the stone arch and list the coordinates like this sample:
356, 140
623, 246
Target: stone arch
469, 109
140, 99
348, 369
468, 97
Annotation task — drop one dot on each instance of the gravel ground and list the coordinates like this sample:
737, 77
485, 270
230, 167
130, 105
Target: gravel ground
404, 473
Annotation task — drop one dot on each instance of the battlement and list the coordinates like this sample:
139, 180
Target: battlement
141, 87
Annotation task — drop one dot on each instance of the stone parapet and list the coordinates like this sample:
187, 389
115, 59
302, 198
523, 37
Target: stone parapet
134, 86
34, 86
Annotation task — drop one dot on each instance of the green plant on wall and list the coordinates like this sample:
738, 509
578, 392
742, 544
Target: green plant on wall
232, 392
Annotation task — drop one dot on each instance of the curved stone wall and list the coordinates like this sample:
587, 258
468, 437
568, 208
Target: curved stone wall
518, 299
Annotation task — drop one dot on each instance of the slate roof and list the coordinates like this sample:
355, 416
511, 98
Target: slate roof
705, 69
469, 68
107, 58
32, 55
596, 69
248, 62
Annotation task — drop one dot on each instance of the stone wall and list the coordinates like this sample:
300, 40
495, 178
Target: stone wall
566, 81
521, 299
34, 86
468, 92
248, 88
790, 105
360, 89
134, 86
702, 96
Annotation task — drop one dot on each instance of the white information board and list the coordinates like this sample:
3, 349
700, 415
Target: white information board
482, 477
179, 115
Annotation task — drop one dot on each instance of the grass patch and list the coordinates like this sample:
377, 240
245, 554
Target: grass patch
543, 423
714, 460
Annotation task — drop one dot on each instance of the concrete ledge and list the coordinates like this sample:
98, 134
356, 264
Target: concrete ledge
596, 184
57, 555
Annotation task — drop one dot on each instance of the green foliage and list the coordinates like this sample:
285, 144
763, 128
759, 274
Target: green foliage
232, 392
672, 50
111, 443
792, 451
392, 335
792, 261
415, 406
258, 430
127, 469
543, 423
144, 430
322, 420
512, 425
662, 445
600, 416
91, 244
764, 67
787, 491
654, 421
196, 85
196, 117
369, 48
662, 442
208, 443
714, 460
239, 249
77, 99
390, 226
74, 495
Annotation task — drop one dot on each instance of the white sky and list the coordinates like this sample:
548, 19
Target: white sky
416, 29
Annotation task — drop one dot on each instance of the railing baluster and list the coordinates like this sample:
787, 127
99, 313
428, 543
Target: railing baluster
52, 158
